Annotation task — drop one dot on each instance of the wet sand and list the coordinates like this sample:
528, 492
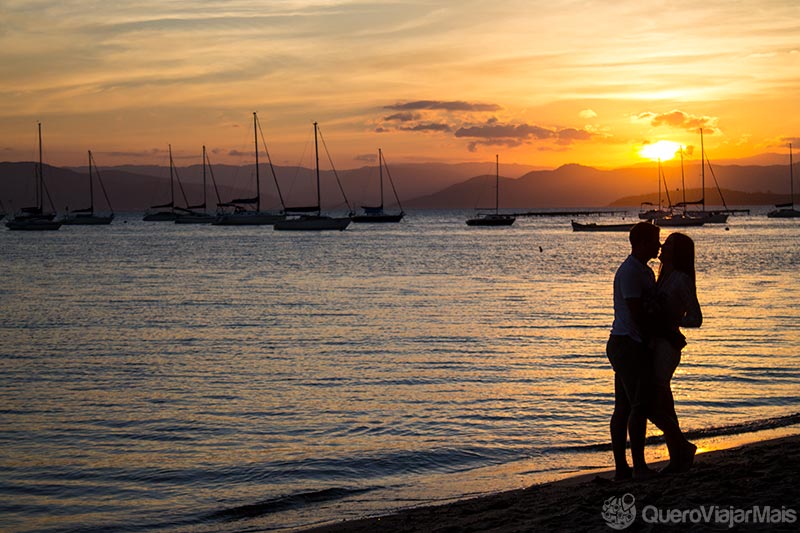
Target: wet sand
726, 485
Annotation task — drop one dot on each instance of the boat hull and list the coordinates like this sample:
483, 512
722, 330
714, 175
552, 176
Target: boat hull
195, 219
710, 217
87, 220
313, 223
33, 225
377, 218
162, 216
784, 213
678, 222
576, 226
248, 219
491, 220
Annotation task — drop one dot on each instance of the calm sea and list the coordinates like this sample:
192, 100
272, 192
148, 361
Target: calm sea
159, 377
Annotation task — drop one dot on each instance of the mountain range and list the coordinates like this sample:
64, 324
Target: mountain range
421, 186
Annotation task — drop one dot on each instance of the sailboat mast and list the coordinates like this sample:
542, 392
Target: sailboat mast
702, 172
496, 183
683, 181
255, 145
659, 184
204, 178
791, 175
380, 173
316, 158
40, 184
91, 188
171, 181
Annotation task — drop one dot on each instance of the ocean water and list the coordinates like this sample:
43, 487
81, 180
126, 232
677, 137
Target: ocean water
161, 377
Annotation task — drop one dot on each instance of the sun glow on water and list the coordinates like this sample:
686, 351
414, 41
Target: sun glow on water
663, 150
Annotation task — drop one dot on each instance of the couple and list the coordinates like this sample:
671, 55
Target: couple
645, 347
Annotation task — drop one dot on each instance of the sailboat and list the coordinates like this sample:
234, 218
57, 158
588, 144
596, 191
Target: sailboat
86, 216
655, 211
35, 218
787, 210
318, 221
709, 217
496, 218
189, 215
376, 213
672, 218
171, 215
241, 215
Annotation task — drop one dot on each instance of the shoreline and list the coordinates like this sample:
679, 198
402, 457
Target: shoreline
724, 484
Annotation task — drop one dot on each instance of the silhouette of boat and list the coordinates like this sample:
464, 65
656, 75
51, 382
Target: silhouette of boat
670, 217
787, 210
243, 214
87, 216
496, 218
190, 215
376, 213
708, 217
592, 226
172, 214
35, 218
318, 221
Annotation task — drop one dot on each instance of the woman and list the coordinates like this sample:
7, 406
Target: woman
675, 305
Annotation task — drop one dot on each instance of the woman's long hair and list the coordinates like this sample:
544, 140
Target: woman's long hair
683, 255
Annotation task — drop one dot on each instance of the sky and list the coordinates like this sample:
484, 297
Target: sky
539, 83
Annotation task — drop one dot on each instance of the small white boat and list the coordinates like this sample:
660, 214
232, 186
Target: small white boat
247, 211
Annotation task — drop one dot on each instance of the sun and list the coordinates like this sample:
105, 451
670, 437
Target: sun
663, 150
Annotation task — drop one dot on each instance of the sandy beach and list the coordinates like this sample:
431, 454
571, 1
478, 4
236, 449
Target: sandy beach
752, 487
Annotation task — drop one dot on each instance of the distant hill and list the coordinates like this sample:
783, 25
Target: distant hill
580, 186
420, 185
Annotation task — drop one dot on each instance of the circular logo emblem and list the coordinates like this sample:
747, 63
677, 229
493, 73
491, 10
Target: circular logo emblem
619, 512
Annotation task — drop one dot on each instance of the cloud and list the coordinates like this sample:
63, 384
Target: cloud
494, 133
143, 153
509, 143
568, 135
679, 119
367, 158
443, 106
500, 131
587, 113
402, 117
427, 127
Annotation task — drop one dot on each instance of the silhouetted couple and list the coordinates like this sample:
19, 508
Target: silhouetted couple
645, 347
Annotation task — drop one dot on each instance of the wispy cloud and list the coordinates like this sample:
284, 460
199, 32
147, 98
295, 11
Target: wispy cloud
427, 127
443, 105
402, 117
366, 158
493, 133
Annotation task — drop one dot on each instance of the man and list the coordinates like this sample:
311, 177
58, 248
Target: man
627, 352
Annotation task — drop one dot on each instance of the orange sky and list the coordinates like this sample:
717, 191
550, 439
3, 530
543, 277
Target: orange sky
541, 83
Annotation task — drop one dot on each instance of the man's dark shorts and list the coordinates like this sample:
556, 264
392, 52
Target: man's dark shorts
630, 361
